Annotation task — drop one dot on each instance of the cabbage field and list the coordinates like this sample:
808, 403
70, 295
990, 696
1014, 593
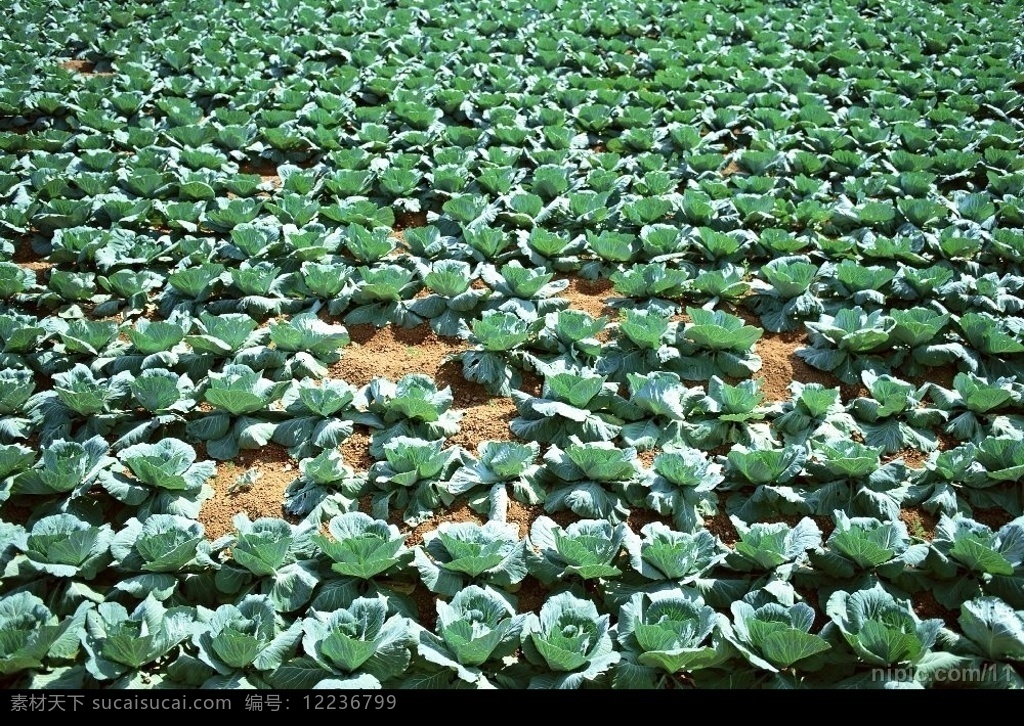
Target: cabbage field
535, 343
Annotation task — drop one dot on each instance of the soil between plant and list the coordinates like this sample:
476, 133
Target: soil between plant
780, 365
263, 498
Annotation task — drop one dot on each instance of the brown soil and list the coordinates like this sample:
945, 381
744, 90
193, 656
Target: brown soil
262, 499
522, 516
531, 595
24, 255
913, 458
26, 258
927, 607
939, 375
392, 352
532, 384
355, 451
265, 169
464, 393
485, 422
426, 606
640, 518
825, 524
992, 518
731, 169
86, 68
589, 296
647, 457
681, 317
721, 527
919, 523
459, 511
16, 513
722, 450
781, 365
406, 220
564, 518
947, 442
850, 391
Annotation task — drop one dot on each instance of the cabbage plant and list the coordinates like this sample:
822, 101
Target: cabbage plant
570, 640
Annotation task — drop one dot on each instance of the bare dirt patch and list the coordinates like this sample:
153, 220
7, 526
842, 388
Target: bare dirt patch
426, 606
27, 258
531, 595
17, 513
458, 512
262, 498
913, 458
522, 516
939, 375
927, 607
407, 220
391, 352
920, 524
590, 296
532, 384
265, 169
825, 524
641, 517
355, 451
485, 422
83, 67
781, 365
564, 518
732, 168
720, 526
647, 457
992, 518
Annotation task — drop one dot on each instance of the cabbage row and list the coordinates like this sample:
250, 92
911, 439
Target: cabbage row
195, 207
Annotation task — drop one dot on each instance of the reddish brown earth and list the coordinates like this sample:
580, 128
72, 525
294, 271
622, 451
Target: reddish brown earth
426, 606
589, 296
919, 522
647, 457
641, 517
992, 518
927, 607
531, 595
459, 511
781, 365
26, 258
406, 220
84, 67
392, 352
731, 169
16, 513
940, 375
522, 516
913, 458
265, 169
720, 526
355, 450
485, 422
825, 524
262, 499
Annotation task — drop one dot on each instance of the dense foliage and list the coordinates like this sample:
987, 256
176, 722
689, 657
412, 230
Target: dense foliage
194, 210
